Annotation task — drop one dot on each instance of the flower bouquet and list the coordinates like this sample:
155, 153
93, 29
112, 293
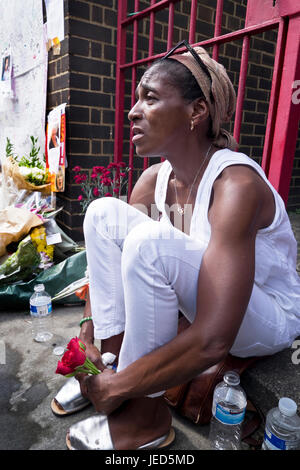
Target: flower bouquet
39, 239
21, 264
75, 361
27, 172
103, 181
32, 256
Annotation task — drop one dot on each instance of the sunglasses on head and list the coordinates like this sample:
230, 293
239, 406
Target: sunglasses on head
194, 54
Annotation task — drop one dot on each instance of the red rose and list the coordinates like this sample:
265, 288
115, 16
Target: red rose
63, 369
75, 343
74, 358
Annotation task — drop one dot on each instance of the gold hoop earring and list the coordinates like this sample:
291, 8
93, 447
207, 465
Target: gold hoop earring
192, 125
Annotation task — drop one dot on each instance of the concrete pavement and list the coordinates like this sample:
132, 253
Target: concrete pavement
28, 384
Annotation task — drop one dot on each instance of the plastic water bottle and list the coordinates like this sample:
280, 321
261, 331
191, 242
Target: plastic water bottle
228, 412
40, 311
282, 431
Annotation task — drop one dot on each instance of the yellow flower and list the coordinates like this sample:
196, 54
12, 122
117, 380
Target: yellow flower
38, 237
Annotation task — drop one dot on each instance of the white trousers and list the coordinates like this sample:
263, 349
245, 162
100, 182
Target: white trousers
142, 272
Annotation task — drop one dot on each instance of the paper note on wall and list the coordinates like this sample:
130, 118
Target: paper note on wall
55, 23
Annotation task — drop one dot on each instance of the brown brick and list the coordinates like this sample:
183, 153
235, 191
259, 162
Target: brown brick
79, 9
97, 14
78, 114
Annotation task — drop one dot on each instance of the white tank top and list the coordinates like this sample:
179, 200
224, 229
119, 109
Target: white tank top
275, 244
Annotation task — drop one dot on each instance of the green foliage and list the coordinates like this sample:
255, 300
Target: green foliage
9, 148
32, 161
20, 264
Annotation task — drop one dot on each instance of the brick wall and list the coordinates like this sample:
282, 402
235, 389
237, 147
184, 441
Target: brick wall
83, 76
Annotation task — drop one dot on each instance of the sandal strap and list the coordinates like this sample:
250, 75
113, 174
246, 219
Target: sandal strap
91, 434
69, 396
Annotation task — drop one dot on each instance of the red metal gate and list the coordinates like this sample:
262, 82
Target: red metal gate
284, 105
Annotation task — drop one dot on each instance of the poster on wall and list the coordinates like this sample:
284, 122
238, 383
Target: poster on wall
56, 147
23, 80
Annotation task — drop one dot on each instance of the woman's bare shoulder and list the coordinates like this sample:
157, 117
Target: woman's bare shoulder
151, 172
144, 189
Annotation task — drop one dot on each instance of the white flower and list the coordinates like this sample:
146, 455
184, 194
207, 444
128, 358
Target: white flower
24, 170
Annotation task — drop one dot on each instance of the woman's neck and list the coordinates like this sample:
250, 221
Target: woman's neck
186, 165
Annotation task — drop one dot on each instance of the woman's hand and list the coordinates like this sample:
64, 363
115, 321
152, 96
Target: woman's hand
99, 392
93, 353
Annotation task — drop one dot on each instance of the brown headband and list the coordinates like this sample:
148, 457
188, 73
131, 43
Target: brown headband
223, 105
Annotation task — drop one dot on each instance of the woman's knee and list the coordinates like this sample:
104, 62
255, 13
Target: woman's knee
103, 208
143, 243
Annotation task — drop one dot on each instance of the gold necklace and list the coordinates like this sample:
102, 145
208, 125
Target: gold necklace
180, 209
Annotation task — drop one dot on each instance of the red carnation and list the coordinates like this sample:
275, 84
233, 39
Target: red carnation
76, 168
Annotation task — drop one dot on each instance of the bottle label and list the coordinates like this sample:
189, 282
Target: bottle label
273, 442
229, 416
41, 311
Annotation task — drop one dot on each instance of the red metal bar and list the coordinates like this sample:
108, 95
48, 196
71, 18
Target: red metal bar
150, 53
142, 14
193, 17
120, 82
151, 30
241, 89
170, 26
218, 28
170, 34
278, 62
264, 11
133, 86
283, 117
232, 36
288, 114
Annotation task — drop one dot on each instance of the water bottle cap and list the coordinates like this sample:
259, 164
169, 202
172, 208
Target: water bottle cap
287, 406
39, 287
231, 378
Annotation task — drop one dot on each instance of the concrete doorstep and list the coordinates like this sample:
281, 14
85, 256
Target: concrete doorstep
28, 384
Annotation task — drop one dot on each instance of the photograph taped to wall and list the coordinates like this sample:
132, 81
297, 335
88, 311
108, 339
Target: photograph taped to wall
6, 91
6, 68
55, 148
